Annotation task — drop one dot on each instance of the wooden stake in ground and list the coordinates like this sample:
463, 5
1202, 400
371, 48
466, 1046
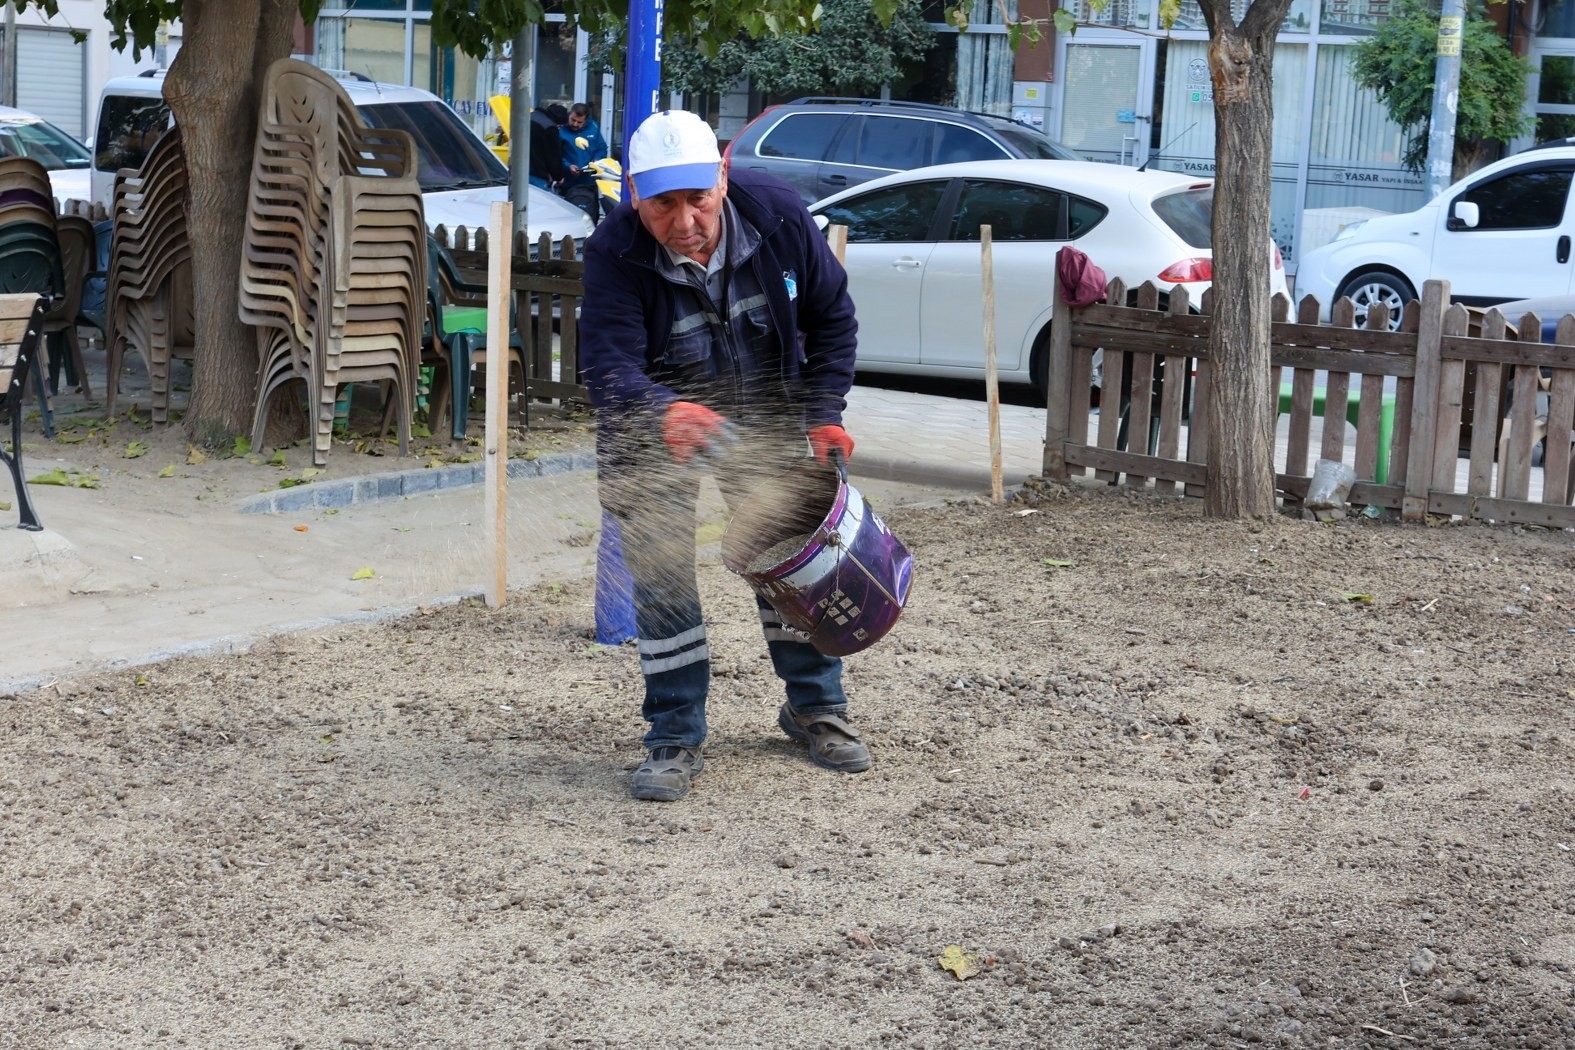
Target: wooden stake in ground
837, 237
992, 386
495, 506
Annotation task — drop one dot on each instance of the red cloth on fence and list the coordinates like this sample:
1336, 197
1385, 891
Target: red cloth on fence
1081, 282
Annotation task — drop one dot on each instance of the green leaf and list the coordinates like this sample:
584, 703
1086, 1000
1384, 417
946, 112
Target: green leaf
136, 449
1065, 21
363, 573
1056, 563
54, 477
168, 472
1349, 596
243, 446
277, 459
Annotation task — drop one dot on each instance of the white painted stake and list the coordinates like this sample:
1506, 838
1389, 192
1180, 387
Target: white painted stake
495, 507
992, 386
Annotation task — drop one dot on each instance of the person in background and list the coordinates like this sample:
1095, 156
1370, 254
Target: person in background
716, 329
582, 144
546, 146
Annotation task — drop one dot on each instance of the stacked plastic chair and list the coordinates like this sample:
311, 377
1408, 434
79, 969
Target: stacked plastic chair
29, 246
334, 268
76, 237
148, 298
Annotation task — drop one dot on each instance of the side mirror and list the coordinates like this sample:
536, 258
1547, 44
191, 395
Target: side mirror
1465, 215
821, 222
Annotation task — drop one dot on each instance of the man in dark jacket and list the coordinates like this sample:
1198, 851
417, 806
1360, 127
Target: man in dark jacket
716, 329
546, 148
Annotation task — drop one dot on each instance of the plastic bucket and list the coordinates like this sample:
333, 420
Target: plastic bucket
809, 544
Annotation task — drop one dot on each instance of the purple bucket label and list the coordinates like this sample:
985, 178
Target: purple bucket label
846, 585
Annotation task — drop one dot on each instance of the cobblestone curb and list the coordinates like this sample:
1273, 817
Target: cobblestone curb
345, 492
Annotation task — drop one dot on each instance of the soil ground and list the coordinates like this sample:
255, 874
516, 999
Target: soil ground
1165, 781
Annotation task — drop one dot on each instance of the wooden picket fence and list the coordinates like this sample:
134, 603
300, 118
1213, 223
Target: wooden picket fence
548, 284
1423, 397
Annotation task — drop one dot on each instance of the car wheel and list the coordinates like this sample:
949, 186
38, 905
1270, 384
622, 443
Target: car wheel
1039, 366
1377, 286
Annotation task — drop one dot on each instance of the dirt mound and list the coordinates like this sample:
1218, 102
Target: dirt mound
1169, 782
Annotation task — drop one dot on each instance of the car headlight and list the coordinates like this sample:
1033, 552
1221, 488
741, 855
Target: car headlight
1348, 229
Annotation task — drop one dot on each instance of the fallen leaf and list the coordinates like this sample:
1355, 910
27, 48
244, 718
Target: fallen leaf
363, 573
1024, 513
302, 528
195, 455
1056, 563
277, 459
963, 964
168, 472
53, 477
1347, 596
135, 449
861, 939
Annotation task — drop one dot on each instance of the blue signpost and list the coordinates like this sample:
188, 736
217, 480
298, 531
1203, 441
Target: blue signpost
642, 91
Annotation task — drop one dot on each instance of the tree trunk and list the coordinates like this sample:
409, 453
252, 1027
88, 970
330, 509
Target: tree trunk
1240, 479
214, 91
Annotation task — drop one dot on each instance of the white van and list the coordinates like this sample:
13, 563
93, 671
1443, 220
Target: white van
460, 176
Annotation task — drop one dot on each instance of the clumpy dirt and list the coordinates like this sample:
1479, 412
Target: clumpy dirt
1170, 782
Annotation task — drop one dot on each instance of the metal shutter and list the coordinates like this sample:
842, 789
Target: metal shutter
50, 77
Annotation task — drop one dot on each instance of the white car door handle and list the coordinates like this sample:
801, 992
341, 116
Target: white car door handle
906, 262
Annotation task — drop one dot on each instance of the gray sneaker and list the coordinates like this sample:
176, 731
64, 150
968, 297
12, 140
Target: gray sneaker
833, 742
665, 774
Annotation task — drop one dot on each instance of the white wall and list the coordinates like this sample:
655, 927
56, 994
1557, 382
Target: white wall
102, 60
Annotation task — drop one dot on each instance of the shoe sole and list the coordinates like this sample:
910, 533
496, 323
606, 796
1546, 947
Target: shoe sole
803, 736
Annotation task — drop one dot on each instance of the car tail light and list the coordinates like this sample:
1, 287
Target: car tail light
1198, 269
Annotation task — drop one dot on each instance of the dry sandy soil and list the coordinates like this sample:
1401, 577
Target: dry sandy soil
1172, 782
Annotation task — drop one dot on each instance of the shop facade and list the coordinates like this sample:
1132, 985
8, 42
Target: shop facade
1119, 90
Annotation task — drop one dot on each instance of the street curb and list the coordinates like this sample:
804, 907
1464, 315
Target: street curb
914, 471
399, 484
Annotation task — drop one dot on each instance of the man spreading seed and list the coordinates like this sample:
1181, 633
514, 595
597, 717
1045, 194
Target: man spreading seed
717, 330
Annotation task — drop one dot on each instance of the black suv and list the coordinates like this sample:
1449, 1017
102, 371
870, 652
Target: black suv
822, 145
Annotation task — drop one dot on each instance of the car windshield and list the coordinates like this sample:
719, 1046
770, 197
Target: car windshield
1190, 213
449, 155
1032, 144
43, 142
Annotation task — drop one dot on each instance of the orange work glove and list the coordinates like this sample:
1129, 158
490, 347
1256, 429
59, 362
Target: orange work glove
688, 428
823, 439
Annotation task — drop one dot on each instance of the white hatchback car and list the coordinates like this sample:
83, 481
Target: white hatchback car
24, 134
914, 266
1502, 233
460, 175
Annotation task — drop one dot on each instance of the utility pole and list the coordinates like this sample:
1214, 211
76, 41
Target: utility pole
1446, 98
522, 89
8, 81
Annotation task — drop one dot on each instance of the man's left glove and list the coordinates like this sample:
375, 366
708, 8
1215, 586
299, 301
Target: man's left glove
823, 439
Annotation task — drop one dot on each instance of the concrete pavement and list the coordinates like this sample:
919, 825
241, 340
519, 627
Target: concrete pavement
114, 583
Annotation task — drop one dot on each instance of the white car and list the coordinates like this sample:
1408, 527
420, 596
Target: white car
1502, 233
460, 175
914, 267
23, 134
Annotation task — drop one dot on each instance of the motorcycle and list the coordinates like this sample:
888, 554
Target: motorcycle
607, 171
609, 182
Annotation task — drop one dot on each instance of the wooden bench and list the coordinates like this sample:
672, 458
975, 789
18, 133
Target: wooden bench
21, 330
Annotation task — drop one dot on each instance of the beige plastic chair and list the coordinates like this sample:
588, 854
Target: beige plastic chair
333, 271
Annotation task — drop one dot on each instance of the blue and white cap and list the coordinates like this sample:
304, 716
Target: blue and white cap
672, 150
